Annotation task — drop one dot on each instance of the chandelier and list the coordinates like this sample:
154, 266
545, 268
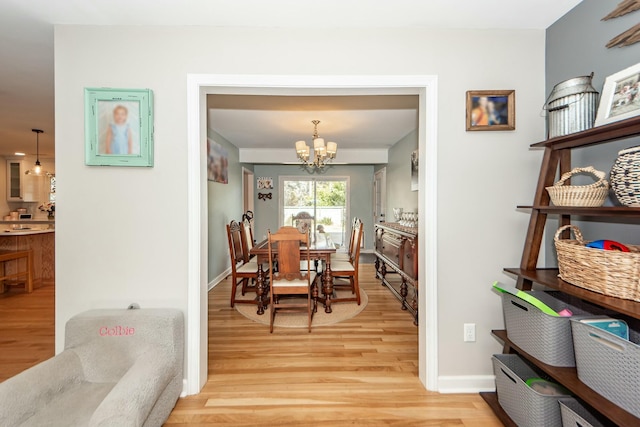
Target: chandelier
322, 154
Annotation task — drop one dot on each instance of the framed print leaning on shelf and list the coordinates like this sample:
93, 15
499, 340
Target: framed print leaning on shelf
620, 96
491, 110
118, 126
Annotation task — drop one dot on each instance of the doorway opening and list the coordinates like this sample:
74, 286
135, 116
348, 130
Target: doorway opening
198, 87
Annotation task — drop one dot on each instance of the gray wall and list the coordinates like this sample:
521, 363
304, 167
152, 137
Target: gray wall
225, 204
360, 196
399, 194
575, 46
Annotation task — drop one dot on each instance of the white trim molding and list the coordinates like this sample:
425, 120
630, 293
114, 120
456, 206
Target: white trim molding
198, 86
466, 383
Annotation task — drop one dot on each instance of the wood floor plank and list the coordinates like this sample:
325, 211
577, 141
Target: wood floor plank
363, 371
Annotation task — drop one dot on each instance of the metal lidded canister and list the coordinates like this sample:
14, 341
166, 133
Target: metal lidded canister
571, 106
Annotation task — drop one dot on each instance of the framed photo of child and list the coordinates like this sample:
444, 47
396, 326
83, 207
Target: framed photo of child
118, 127
491, 110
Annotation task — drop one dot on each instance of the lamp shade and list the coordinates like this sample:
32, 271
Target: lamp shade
332, 147
300, 146
318, 143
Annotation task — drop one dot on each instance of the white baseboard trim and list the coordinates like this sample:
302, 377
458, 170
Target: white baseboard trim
218, 279
466, 383
184, 388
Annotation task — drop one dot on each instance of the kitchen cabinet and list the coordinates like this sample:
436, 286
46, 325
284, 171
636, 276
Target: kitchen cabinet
22, 187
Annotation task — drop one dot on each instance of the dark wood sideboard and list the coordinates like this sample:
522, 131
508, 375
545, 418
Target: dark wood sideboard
397, 252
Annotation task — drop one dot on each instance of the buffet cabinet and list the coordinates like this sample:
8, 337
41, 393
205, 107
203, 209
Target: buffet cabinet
396, 252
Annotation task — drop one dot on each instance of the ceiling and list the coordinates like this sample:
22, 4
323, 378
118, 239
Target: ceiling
26, 54
357, 122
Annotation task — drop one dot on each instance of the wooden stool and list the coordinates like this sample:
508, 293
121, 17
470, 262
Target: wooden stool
27, 274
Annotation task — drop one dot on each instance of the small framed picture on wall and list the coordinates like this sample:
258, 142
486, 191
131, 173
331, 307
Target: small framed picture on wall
491, 110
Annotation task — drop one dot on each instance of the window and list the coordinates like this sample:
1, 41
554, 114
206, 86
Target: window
325, 199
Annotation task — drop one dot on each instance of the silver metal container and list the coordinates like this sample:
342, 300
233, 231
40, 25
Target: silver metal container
571, 106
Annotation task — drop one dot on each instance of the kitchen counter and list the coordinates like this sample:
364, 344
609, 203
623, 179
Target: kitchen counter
27, 231
29, 221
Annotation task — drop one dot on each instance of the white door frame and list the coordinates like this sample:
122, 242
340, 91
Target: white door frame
198, 86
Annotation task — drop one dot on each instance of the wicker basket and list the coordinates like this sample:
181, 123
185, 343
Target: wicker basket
611, 273
625, 177
592, 195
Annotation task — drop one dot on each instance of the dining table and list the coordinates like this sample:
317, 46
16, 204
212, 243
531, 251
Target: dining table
318, 251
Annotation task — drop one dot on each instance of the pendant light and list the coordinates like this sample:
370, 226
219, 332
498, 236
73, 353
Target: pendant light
37, 168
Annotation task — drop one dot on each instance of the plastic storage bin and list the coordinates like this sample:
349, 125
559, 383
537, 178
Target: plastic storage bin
524, 405
608, 364
575, 415
545, 337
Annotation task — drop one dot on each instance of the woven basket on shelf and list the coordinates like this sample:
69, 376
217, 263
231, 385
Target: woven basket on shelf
612, 273
592, 195
625, 177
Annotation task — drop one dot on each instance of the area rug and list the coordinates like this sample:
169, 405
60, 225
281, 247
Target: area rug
340, 312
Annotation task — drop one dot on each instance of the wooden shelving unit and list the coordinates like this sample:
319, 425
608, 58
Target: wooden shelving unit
557, 157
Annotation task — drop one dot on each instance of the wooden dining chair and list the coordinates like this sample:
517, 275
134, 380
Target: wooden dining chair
247, 238
346, 256
349, 269
292, 248
242, 270
304, 222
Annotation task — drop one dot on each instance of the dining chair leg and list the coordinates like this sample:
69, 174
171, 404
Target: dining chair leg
356, 288
309, 312
233, 292
272, 316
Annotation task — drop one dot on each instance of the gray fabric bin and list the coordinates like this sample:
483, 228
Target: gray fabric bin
524, 405
545, 337
610, 365
576, 415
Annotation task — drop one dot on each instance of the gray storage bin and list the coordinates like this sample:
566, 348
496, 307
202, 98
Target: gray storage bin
608, 364
545, 337
524, 405
576, 415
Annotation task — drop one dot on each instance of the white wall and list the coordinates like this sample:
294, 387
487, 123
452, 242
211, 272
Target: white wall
131, 245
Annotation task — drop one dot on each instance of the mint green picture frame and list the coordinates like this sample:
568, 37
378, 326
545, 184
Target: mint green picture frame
118, 127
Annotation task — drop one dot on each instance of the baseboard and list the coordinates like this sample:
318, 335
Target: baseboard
218, 279
466, 383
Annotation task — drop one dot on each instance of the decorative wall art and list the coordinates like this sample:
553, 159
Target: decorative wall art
265, 182
414, 171
264, 196
491, 110
632, 35
620, 96
118, 127
217, 162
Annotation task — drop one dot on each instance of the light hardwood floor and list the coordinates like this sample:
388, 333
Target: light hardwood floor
26, 329
359, 372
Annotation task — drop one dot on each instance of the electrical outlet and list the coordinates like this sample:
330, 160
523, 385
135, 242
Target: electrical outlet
469, 332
